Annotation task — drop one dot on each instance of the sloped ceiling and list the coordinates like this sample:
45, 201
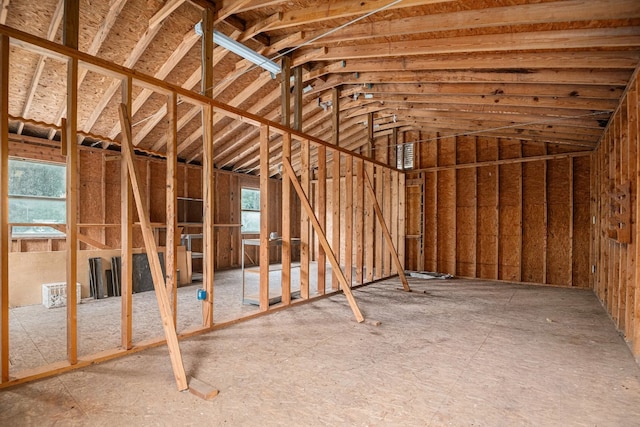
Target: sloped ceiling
551, 71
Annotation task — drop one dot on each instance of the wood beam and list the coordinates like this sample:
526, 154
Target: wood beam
563, 11
335, 266
208, 176
163, 13
298, 105
323, 11
285, 91
4, 205
56, 20
4, 11
286, 224
114, 10
543, 40
126, 238
264, 218
70, 34
335, 176
305, 235
172, 238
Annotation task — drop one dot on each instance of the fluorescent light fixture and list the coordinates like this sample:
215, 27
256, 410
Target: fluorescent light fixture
368, 96
307, 89
241, 50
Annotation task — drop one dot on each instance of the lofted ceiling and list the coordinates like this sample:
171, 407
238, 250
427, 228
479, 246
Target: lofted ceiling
550, 71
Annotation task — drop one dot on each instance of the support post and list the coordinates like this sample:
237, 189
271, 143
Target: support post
126, 237
4, 208
297, 98
286, 224
285, 91
264, 217
172, 239
70, 39
335, 180
305, 235
208, 184
322, 215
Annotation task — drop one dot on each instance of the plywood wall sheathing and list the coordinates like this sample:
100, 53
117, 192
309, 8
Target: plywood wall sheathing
614, 264
490, 212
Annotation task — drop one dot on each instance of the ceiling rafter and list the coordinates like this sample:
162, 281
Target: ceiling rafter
563, 11
56, 20
96, 44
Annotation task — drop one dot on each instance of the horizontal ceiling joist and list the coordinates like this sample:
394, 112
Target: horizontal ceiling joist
542, 13
539, 40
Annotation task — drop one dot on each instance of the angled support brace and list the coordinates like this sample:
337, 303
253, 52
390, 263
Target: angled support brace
387, 234
152, 255
322, 238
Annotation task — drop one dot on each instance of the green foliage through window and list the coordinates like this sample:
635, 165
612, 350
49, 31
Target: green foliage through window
250, 210
37, 194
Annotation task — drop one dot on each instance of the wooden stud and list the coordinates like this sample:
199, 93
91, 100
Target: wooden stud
394, 202
172, 238
348, 227
324, 242
497, 213
387, 235
305, 235
379, 237
208, 184
4, 208
126, 238
285, 91
360, 215
476, 232
335, 177
336, 214
304, 222
286, 224
208, 198
386, 210
402, 209
152, 254
634, 122
264, 217
369, 226
322, 215
546, 220
297, 94
70, 32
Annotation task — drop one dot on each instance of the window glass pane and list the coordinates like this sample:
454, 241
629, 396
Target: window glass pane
37, 195
250, 199
36, 179
250, 222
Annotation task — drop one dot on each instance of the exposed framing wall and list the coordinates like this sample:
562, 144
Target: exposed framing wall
614, 209
500, 209
275, 139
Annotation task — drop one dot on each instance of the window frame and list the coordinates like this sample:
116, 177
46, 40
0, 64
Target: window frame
243, 210
39, 231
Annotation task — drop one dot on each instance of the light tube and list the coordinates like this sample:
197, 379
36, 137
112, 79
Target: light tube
241, 50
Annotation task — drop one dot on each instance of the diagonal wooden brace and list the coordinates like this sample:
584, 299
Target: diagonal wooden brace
322, 238
387, 234
152, 254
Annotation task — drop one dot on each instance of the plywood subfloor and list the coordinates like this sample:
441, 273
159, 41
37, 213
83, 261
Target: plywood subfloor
452, 353
38, 334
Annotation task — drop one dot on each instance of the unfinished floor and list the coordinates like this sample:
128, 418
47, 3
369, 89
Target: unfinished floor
454, 352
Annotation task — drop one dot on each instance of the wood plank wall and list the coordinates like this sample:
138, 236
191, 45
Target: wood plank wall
514, 221
615, 164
